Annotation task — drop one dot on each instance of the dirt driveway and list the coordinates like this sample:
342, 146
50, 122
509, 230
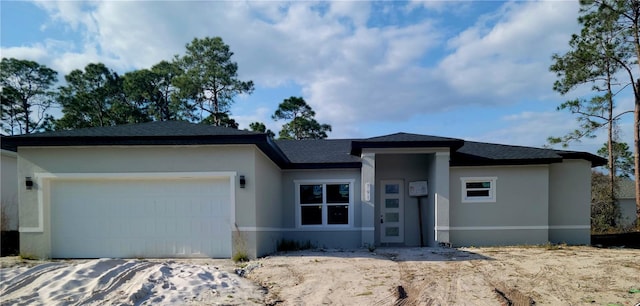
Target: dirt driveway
440, 276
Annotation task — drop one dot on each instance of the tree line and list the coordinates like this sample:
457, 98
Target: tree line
605, 54
199, 86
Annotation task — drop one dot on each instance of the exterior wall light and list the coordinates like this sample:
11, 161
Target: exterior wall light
243, 181
28, 183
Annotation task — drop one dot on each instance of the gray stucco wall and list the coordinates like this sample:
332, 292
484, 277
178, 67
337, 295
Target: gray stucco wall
9, 191
628, 215
519, 215
570, 202
240, 159
268, 199
321, 237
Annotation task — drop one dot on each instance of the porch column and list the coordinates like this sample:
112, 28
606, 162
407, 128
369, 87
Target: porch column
441, 196
367, 209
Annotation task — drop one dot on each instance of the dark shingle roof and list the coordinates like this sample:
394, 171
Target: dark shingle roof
318, 153
147, 129
151, 133
480, 153
404, 140
296, 154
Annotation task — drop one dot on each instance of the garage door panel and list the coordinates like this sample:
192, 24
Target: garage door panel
141, 218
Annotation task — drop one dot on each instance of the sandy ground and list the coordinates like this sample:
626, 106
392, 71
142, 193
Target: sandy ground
125, 282
440, 276
387, 276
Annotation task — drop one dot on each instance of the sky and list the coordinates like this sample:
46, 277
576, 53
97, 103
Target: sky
475, 70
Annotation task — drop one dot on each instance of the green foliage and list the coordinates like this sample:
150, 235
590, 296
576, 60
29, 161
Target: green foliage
221, 119
261, 128
622, 157
153, 90
286, 245
605, 210
302, 124
240, 256
95, 97
210, 77
25, 95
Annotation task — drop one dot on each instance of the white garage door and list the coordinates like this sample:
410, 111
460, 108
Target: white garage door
140, 218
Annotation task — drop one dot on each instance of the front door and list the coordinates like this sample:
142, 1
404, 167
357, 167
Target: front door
392, 211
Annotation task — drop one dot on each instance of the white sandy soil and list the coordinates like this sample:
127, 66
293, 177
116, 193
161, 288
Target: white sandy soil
387, 276
126, 282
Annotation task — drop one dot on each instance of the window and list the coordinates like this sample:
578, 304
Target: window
478, 189
324, 203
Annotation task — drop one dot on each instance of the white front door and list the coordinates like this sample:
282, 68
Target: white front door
392, 211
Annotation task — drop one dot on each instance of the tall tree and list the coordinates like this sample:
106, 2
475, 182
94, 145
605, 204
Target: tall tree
302, 124
211, 77
95, 97
622, 156
26, 94
154, 91
261, 128
608, 43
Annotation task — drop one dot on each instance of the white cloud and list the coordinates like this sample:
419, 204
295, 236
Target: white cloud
529, 128
512, 56
350, 73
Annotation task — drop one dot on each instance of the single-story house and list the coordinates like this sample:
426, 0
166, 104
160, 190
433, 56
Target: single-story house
177, 189
627, 202
8, 190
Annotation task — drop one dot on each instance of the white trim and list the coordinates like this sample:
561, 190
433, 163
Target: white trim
404, 150
324, 182
43, 178
508, 228
305, 229
492, 198
501, 166
135, 175
569, 227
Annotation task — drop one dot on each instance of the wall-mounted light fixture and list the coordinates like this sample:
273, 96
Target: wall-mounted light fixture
243, 181
28, 183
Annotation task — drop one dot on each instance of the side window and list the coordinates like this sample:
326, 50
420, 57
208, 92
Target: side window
478, 189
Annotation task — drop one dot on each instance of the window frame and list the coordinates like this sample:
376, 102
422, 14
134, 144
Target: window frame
325, 205
491, 198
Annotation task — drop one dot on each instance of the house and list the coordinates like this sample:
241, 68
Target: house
176, 189
9, 190
627, 202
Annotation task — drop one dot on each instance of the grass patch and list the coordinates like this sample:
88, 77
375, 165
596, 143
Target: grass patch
240, 256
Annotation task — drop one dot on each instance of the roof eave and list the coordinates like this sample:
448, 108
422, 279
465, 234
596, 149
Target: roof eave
596, 161
262, 141
312, 166
504, 162
357, 146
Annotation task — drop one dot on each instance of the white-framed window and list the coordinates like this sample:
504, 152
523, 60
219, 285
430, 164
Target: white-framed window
324, 202
478, 189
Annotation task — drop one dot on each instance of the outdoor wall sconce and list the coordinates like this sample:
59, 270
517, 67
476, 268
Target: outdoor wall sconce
28, 183
243, 181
